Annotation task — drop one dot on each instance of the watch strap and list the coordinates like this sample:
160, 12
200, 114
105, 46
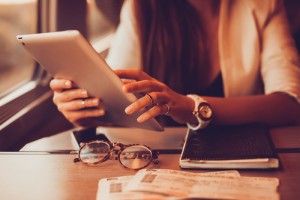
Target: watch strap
201, 123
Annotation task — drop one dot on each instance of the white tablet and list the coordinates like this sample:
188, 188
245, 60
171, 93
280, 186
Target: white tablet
68, 55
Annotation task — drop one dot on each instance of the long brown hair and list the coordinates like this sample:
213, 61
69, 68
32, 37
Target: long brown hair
172, 44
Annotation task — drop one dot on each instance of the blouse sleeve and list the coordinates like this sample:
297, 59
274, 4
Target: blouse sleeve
124, 52
280, 59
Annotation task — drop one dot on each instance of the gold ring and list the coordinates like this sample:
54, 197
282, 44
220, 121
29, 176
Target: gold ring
168, 109
151, 98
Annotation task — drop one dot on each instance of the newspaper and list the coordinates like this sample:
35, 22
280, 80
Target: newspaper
164, 184
203, 185
113, 188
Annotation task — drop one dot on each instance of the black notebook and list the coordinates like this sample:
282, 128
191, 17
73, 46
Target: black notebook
238, 147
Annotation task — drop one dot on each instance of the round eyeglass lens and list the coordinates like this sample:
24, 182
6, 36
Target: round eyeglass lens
136, 157
94, 152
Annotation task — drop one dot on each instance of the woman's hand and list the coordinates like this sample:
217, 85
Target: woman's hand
166, 101
75, 104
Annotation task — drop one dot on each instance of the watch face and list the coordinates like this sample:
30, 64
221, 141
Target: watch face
205, 111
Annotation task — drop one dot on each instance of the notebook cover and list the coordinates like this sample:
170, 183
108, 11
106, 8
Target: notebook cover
229, 143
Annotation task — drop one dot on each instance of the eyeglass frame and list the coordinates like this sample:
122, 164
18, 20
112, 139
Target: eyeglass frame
117, 153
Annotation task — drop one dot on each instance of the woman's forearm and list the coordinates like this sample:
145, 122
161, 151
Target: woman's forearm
274, 110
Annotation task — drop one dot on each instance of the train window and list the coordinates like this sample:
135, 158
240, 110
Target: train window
16, 65
25, 95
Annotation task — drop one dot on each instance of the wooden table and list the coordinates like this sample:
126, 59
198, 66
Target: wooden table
41, 175
57, 177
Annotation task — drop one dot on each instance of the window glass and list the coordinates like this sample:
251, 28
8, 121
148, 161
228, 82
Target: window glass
16, 65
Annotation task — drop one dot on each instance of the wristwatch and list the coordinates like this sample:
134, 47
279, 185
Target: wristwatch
202, 111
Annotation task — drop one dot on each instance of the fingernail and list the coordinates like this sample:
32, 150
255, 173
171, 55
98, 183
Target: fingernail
68, 84
95, 102
101, 112
129, 110
84, 93
140, 119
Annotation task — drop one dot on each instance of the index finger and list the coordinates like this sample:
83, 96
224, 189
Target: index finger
60, 84
132, 74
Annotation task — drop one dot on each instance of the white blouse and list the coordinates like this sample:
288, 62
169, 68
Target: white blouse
256, 51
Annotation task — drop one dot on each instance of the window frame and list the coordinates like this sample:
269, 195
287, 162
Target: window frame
36, 116
39, 78
23, 108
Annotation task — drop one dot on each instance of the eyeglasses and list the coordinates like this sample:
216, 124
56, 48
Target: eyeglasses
132, 156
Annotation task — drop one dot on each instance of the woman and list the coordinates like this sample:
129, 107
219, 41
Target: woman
237, 57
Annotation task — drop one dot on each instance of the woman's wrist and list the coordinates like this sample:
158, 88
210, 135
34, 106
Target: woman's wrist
191, 119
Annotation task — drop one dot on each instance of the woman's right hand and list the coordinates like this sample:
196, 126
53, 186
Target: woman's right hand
75, 104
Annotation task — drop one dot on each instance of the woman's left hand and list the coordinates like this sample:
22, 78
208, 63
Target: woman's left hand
165, 100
